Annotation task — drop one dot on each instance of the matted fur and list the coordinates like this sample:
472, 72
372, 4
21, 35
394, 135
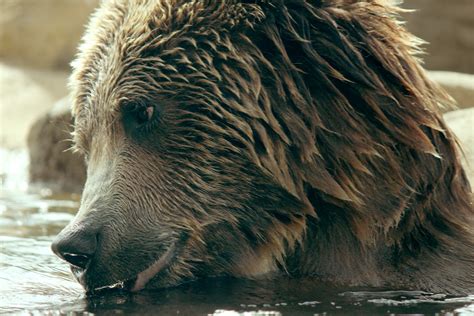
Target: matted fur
294, 136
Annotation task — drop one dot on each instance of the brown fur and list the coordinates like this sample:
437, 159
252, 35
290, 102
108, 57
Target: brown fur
294, 136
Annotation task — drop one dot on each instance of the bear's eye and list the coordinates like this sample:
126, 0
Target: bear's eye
138, 115
144, 114
140, 112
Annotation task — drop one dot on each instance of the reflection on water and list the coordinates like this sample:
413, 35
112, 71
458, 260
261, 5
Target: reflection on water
33, 280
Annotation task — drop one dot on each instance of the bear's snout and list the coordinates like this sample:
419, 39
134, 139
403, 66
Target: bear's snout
76, 244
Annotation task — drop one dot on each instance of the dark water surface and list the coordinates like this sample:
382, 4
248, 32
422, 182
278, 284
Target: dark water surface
35, 282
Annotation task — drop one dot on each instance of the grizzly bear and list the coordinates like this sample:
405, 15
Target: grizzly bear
259, 139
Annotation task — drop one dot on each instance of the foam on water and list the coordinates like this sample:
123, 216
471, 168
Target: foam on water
14, 170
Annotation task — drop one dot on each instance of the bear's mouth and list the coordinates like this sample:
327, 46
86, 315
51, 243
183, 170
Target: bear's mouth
138, 282
142, 278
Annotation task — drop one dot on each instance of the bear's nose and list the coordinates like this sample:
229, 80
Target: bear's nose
76, 247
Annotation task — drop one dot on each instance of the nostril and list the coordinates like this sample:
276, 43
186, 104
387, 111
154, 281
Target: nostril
76, 246
78, 260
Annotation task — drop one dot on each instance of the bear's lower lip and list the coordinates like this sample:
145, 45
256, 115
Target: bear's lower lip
146, 275
134, 284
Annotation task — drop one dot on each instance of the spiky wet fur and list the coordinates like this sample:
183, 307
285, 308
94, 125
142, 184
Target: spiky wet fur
296, 136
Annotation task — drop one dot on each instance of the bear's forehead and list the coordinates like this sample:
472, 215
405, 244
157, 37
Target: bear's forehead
125, 45
117, 35
121, 32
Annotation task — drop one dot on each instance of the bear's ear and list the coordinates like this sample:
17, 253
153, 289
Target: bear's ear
245, 12
275, 3
251, 12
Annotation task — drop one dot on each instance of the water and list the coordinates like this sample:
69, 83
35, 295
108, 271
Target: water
35, 282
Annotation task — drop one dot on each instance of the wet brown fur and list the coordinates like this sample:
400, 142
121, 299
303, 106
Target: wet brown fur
295, 136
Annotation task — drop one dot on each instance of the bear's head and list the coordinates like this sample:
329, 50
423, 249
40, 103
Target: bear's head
218, 133
176, 127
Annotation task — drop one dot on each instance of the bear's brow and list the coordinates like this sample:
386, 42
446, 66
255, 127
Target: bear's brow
129, 44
